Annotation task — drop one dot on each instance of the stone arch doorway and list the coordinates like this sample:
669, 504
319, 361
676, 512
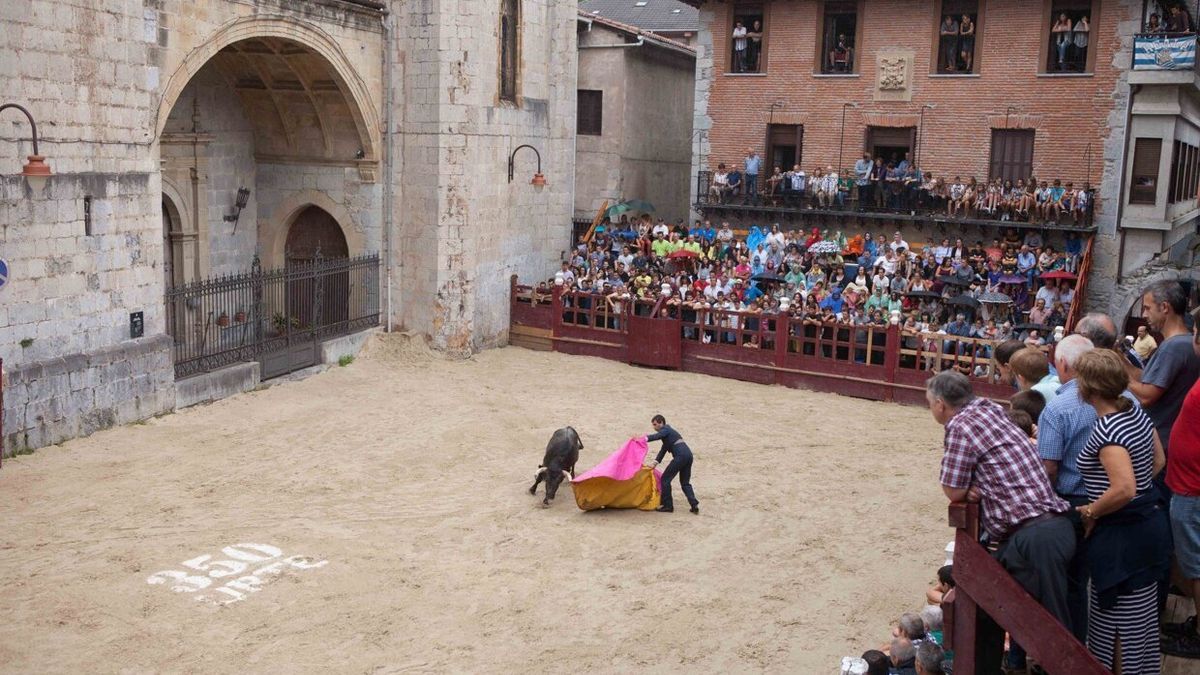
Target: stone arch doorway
319, 293
264, 113
313, 231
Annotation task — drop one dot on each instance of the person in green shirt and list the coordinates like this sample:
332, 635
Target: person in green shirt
661, 247
877, 300
894, 304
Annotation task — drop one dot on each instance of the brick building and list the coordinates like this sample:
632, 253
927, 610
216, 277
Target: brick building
1022, 100
190, 139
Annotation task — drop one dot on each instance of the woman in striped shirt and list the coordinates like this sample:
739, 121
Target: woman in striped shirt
1128, 548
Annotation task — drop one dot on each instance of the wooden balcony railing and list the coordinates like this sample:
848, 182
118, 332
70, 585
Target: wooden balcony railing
980, 583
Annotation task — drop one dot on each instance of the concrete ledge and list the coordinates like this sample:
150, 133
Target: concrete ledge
347, 345
208, 387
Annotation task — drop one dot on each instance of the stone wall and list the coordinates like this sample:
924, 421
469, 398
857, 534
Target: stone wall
461, 227
102, 80
644, 149
230, 165
56, 399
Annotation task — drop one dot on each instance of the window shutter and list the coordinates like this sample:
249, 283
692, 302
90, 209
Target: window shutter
1146, 155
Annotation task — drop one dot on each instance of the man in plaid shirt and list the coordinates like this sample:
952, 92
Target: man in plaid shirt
989, 460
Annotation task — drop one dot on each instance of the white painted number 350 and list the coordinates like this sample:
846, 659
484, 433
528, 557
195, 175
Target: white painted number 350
241, 555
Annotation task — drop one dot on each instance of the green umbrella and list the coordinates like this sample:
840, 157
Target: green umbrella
631, 205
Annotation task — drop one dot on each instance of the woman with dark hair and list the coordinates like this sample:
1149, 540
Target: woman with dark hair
681, 464
1125, 523
1061, 33
966, 42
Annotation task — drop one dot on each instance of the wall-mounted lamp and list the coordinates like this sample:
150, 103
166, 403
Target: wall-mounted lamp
36, 171
539, 181
243, 197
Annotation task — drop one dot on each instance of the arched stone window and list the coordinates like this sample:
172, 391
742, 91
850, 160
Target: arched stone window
510, 43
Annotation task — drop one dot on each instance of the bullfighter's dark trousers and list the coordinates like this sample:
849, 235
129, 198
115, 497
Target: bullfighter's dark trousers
681, 464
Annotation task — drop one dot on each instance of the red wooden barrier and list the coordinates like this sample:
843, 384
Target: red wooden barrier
874, 362
654, 342
980, 583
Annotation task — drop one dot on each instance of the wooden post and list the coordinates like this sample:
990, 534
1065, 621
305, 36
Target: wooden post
556, 306
982, 584
891, 360
783, 332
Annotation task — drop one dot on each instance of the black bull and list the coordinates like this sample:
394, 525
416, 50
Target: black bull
562, 452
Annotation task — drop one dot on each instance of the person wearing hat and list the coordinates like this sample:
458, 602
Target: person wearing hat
681, 464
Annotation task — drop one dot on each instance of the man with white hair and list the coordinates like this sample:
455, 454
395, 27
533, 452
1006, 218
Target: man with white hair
1063, 429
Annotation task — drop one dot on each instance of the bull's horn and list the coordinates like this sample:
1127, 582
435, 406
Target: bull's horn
566, 474
541, 471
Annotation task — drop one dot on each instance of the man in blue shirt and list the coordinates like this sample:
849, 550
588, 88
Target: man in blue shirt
681, 464
1027, 262
753, 166
735, 182
862, 178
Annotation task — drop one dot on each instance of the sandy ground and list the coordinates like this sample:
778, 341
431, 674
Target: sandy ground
402, 478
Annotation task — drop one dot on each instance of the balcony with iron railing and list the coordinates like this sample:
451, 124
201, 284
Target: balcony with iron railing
852, 211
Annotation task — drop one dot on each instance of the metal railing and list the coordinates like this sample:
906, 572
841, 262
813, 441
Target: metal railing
907, 205
242, 317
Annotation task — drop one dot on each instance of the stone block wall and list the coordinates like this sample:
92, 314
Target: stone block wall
56, 399
461, 227
209, 103
282, 189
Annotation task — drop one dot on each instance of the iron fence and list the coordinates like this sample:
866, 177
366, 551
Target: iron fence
912, 205
248, 316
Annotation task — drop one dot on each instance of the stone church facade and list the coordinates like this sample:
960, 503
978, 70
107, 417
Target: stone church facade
375, 127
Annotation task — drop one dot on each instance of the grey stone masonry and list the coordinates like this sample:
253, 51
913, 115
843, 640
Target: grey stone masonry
50, 401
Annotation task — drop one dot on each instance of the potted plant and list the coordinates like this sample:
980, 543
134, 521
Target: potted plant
280, 323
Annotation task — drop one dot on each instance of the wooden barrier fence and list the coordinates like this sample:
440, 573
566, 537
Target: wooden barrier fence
875, 362
980, 583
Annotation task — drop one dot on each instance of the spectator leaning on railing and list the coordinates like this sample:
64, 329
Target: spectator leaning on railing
988, 459
810, 278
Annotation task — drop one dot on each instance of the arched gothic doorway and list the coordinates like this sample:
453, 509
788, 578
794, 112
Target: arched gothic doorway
313, 231
315, 242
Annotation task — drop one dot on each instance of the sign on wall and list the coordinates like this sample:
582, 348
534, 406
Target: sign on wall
3, 272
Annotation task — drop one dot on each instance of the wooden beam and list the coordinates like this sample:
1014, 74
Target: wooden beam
985, 582
596, 221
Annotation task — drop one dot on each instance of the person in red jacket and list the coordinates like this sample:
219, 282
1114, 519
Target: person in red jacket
1183, 477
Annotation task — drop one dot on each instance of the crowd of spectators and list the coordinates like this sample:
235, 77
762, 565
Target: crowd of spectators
714, 277
1080, 457
897, 185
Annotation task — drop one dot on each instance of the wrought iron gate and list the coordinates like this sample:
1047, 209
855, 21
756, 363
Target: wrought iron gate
276, 317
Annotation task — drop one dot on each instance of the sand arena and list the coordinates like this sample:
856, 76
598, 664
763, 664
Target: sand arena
393, 532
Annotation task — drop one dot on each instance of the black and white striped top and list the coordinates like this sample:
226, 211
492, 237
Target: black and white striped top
1131, 430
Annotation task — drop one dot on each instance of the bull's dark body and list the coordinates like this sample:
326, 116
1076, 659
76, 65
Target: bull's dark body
562, 452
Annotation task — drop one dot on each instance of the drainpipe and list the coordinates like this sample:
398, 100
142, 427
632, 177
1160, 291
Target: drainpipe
640, 41
387, 168
1133, 91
